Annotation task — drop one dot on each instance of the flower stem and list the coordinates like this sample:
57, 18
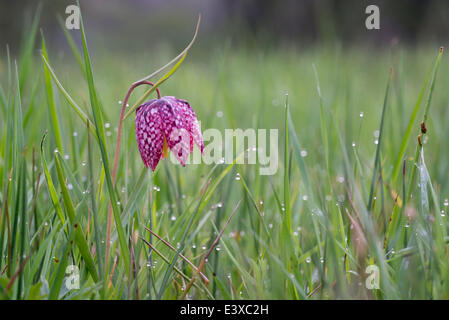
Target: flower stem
116, 156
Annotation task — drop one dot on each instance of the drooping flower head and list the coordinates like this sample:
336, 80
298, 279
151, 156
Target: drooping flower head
164, 123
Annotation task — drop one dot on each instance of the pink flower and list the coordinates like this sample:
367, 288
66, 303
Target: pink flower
166, 122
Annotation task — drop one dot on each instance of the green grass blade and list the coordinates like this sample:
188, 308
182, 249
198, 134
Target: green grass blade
379, 145
104, 155
51, 101
69, 99
80, 238
408, 131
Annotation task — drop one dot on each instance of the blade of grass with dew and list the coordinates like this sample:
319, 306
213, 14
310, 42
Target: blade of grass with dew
426, 112
379, 144
299, 159
408, 131
80, 238
287, 219
61, 269
181, 247
55, 121
93, 208
104, 155
69, 99
395, 219
51, 188
324, 134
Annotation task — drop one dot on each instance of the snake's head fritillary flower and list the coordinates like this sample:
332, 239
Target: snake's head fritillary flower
166, 123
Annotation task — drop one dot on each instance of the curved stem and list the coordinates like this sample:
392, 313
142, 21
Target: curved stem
116, 157
120, 124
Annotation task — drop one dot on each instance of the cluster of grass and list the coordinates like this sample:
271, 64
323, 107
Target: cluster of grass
354, 186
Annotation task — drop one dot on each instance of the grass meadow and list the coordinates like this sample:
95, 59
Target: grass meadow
356, 209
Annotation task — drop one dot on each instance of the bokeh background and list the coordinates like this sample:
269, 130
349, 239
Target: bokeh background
143, 24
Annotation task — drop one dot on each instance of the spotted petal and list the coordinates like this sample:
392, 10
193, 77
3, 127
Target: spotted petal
169, 120
149, 133
188, 115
